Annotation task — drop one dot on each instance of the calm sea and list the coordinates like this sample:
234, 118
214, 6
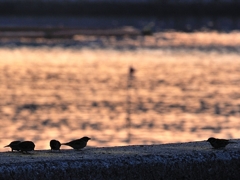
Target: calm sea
166, 88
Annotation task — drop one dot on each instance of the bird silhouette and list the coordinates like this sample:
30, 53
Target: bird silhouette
131, 71
219, 143
55, 145
14, 145
26, 146
78, 143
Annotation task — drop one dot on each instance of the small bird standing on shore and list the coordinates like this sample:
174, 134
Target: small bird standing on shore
78, 143
14, 145
219, 143
55, 145
26, 146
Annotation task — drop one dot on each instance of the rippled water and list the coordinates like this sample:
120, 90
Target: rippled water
185, 88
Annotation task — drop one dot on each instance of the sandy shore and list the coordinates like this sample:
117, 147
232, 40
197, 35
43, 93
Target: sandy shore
193, 160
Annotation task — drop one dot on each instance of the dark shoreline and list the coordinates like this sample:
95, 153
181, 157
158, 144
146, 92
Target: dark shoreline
192, 160
158, 9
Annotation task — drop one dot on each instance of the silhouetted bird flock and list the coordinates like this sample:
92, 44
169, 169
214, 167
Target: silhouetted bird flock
26, 146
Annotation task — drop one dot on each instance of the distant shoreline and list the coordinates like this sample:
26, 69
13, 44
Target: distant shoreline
119, 9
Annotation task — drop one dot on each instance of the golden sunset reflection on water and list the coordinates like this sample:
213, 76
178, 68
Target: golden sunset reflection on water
66, 93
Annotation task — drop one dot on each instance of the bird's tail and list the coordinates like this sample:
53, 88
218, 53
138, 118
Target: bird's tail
7, 146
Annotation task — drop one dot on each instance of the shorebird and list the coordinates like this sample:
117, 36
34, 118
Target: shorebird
78, 143
14, 145
219, 143
26, 146
55, 145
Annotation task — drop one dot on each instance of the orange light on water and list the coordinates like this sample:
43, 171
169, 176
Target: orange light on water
64, 94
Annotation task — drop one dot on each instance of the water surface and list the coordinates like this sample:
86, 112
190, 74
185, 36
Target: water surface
185, 87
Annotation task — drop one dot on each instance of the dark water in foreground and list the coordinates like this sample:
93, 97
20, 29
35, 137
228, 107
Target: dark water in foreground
156, 24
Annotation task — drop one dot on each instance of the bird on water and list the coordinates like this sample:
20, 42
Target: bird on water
78, 143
